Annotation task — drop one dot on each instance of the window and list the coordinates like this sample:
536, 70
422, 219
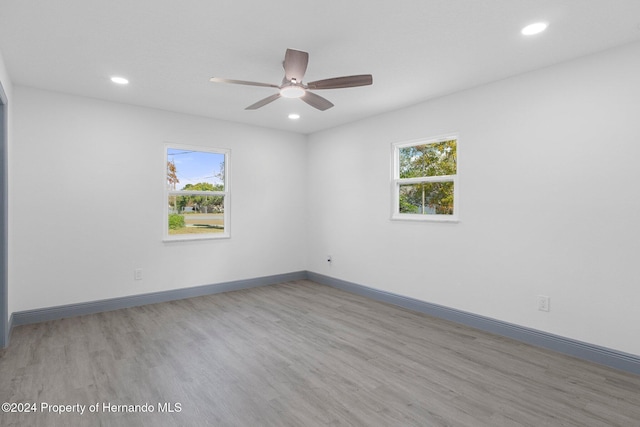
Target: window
425, 180
196, 193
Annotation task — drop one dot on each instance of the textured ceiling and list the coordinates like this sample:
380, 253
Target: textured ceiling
415, 49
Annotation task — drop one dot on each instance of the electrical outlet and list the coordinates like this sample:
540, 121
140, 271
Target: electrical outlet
137, 274
544, 303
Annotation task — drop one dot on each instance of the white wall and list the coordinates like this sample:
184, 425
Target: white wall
8, 89
548, 166
4, 78
87, 201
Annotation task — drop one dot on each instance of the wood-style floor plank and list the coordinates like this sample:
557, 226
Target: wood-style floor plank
300, 354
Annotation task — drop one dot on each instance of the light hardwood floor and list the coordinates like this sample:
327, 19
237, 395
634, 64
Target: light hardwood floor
300, 354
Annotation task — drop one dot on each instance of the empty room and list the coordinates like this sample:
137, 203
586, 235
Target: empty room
409, 213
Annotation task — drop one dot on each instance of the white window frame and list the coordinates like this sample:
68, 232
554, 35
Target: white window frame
396, 181
226, 195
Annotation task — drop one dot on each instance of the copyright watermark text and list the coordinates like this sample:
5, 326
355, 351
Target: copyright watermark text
98, 407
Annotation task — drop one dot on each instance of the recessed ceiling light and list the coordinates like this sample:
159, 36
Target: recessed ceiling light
120, 80
536, 28
294, 116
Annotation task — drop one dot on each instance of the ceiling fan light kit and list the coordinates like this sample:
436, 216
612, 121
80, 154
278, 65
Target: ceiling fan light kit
292, 91
295, 65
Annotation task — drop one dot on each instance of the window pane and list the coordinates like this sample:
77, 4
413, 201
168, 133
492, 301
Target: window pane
435, 159
195, 170
429, 198
196, 214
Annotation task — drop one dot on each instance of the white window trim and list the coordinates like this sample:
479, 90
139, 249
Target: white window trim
226, 193
396, 181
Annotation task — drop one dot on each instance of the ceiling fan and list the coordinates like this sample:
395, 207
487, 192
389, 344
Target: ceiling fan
295, 65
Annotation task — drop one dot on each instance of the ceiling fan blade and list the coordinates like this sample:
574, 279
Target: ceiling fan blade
342, 82
241, 82
316, 101
263, 102
295, 64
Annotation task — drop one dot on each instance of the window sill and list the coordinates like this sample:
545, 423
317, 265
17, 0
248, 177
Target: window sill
193, 238
425, 218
